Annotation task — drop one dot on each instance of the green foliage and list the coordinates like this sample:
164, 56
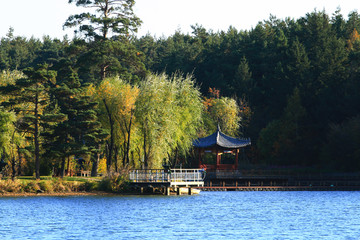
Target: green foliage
109, 58
78, 133
168, 111
116, 183
281, 141
30, 97
31, 186
110, 18
7, 129
341, 150
46, 186
59, 185
89, 186
257, 70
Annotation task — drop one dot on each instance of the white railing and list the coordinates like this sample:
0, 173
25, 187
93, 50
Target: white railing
150, 175
173, 175
187, 175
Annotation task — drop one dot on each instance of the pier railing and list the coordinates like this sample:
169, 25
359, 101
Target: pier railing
172, 176
187, 175
149, 175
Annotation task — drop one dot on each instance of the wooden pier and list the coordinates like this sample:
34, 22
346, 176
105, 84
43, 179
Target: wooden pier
235, 181
159, 181
281, 188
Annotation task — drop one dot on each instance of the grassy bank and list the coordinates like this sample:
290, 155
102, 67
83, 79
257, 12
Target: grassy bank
66, 186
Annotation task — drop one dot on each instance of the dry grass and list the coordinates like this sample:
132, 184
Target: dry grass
117, 183
54, 185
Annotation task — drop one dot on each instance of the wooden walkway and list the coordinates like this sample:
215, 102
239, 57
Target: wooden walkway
165, 182
332, 182
282, 188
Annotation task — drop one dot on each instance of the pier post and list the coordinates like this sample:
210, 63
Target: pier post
189, 191
177, 191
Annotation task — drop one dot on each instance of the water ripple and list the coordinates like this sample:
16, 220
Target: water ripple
210, 215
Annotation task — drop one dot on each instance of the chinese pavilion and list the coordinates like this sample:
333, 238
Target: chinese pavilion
224, 151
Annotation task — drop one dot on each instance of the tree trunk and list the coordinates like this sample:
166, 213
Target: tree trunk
62, 170
68, 166
95, 165
13, 167
19, 161
103, 72
116, 151
129, 134
111, 143
36, 138
145, 152
124, 155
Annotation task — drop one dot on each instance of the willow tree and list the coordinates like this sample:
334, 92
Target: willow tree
116, 100
9, 139
168, 112
125, 117
6, 126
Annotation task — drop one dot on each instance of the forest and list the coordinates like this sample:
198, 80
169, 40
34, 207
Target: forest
107, 100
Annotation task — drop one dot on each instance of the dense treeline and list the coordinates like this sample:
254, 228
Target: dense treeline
91, 104
299, 77
291, 85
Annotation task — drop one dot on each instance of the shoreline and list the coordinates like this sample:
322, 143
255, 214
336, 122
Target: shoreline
58, 194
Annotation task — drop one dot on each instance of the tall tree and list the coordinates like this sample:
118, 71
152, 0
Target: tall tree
116, 99
33, 93
110, 18
9, 139
168, 112
281, 142
108, 27
76, 135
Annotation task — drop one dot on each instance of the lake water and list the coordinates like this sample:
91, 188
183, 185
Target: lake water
210, 215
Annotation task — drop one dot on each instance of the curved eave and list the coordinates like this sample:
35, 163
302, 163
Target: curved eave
221, 140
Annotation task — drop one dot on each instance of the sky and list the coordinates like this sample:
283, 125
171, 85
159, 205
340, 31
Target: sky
163, 17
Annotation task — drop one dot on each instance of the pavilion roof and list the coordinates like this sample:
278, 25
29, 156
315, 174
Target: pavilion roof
220, 139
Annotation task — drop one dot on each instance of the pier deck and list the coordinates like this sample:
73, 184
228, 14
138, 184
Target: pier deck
167, 181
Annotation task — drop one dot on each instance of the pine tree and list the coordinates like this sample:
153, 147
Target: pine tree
31, 97
111, 18
76, 135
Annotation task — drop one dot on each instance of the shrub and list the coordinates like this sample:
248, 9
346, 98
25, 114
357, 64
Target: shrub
10, 186
75, 186
115, 183
58, 185
46, 186
31, 186
89, 186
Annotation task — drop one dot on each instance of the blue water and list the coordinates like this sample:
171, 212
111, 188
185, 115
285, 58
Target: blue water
210, 215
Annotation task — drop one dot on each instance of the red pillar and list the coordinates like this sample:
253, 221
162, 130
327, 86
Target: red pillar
236, 159
217, 159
